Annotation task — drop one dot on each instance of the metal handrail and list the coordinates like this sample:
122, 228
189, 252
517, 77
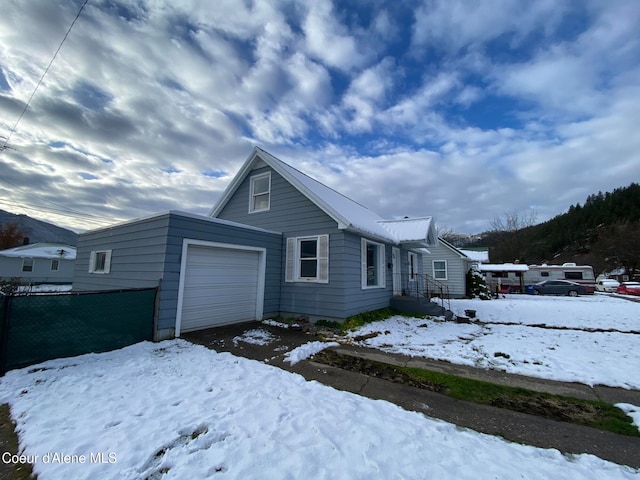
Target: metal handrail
424, 286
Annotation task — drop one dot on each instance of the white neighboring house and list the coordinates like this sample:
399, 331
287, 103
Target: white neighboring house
38, 263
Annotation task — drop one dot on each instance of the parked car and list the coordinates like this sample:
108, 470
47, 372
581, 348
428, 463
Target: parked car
629, 288
609, 285
559, 287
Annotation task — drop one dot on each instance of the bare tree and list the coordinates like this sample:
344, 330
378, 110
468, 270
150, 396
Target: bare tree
446, 233
510, 237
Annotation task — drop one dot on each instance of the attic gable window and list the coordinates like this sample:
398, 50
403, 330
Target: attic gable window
260, 193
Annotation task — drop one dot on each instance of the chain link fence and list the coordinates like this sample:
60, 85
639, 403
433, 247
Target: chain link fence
39, 327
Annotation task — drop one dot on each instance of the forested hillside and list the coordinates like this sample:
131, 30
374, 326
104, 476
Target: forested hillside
604, 232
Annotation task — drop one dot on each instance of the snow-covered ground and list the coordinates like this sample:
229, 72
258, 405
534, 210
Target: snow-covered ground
175, 410
594, 339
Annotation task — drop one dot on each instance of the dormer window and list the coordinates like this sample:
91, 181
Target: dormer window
260, 193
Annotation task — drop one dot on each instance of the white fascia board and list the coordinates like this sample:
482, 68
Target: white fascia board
235, 183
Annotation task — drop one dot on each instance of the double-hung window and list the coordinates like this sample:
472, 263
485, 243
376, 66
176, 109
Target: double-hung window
55, 264
260, 193
308, 259
373, 264
440, 269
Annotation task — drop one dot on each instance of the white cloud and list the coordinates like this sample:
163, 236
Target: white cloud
453, 24
329, 41
483, 110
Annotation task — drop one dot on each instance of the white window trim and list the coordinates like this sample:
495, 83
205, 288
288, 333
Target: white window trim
252, 194
382, 274
413, 275
446, 270
292, 268
107, 262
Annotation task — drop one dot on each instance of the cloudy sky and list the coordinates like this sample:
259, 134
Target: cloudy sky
460, 109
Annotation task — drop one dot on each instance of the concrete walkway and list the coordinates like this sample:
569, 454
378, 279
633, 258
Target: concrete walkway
513, 426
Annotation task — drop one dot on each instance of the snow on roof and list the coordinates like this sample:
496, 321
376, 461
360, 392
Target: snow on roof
349, 215
476, 255
410, 229
503, 267
42, 250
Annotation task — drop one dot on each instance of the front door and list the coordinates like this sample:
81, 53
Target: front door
397, 278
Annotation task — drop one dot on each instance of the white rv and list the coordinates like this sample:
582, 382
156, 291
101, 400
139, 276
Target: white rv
512, 278
582, 274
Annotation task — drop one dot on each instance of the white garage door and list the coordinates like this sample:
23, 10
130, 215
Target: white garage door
220, 286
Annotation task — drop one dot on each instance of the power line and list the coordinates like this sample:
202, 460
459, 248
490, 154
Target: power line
26, 106
31, 194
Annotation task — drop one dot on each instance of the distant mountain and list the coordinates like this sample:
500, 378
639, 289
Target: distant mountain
39, 231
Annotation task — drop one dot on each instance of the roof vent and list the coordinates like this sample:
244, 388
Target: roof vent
570, 264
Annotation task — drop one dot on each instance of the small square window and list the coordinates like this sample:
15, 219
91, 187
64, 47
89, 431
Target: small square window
100, 261
260, 196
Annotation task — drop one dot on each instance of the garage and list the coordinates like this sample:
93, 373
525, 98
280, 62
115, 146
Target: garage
220, 284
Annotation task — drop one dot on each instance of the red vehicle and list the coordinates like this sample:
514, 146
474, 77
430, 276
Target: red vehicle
629, 288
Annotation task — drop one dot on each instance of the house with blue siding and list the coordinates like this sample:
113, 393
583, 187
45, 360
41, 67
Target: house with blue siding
277, 243
340, 257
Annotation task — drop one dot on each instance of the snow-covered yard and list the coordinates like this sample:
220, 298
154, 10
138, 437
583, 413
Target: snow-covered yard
591, 339
177, 410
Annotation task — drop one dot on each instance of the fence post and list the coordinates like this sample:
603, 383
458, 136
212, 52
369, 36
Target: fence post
5, 311
156, 311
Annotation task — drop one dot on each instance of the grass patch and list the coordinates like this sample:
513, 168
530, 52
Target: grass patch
361, 319
590, 413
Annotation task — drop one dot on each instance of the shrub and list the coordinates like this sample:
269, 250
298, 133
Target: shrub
477, 286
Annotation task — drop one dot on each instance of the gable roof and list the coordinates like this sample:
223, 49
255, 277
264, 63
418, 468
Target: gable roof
42, 250
348, 214
480, 256
456, 250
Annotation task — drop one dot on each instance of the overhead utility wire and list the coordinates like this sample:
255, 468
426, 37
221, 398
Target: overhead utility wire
26, 106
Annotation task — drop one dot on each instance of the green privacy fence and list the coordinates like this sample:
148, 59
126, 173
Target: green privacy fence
35, 328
